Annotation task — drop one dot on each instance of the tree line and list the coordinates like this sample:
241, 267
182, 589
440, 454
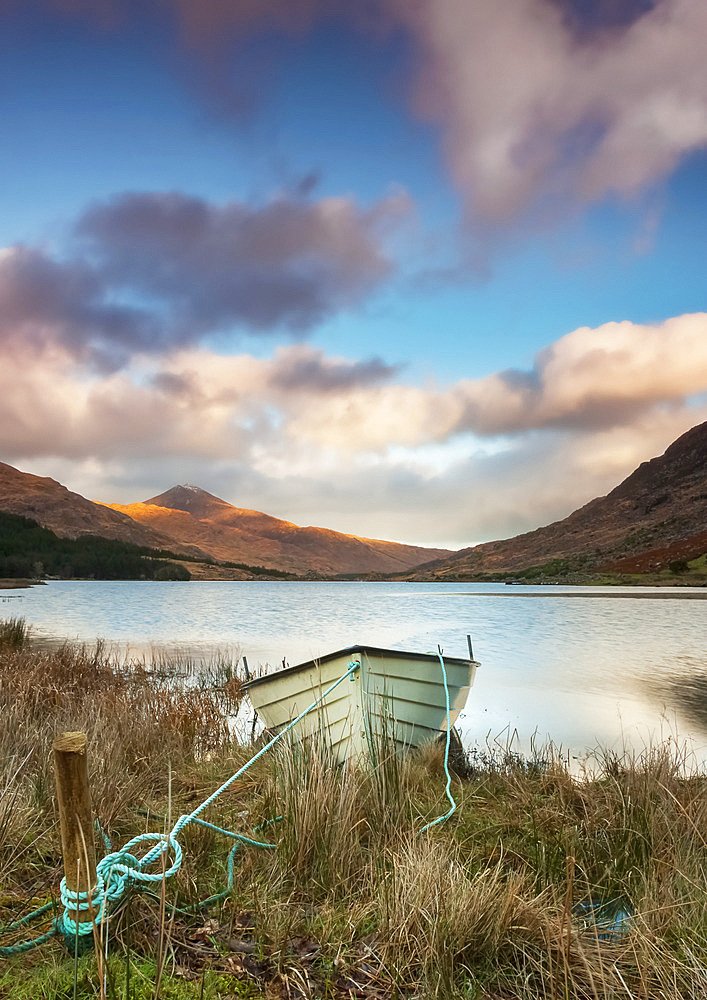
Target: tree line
27, 550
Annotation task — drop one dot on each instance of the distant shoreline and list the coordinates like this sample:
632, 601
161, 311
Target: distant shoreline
639, 593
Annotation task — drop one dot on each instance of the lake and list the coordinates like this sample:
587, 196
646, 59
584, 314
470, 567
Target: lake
582, 666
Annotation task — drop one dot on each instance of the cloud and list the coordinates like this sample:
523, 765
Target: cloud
300, 369
207, 21
344, 444
194, 404
540, 103
301, 406
529, 109
154, 272
590, 379
535, 479
595, 378
44, 301
288, 263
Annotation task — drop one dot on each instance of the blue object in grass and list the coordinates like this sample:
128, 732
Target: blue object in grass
609, 919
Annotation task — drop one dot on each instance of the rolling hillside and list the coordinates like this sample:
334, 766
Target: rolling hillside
656, 516
70, 515
191, 515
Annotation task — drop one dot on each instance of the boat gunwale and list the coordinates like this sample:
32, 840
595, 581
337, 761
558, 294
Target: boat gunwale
352, 651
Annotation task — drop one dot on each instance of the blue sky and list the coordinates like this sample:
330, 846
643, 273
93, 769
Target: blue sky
293, 255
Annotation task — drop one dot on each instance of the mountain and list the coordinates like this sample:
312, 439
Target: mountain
189, 514
656, 516
69, 514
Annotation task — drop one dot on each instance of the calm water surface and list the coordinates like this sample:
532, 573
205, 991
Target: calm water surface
579, 670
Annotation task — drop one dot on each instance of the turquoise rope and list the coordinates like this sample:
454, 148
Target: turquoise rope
18, 949
441, 819
7, 951
117, 869
230, 866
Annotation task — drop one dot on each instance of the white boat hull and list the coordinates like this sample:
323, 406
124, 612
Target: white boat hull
392, 693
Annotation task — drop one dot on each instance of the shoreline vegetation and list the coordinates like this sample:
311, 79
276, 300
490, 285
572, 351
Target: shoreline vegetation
643, 594
544, 884
30, 554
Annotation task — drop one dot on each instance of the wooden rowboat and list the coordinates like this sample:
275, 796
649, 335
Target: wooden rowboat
391, 693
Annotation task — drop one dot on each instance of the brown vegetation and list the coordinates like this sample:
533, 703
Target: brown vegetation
69, 514
191, 522
498, 903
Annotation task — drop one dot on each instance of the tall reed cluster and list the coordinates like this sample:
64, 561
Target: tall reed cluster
544, 884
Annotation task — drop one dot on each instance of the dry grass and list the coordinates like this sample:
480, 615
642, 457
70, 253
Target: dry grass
142, 727
354, 902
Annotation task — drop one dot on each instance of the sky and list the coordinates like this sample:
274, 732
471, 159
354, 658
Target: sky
425, 270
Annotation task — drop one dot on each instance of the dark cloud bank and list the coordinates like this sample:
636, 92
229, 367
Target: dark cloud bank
151, 272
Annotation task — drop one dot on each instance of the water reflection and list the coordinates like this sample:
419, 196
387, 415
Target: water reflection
578, 671
686, 688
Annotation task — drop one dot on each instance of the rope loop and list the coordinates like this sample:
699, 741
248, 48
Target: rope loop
80, 903
118, 868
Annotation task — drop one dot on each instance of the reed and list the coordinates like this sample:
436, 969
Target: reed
514, 897
14, 633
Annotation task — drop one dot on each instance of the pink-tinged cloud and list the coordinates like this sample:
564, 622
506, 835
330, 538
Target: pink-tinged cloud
589, 379
207, 20
193, 404
45, 302
598, 377
529, 110
301, 405
302, 369
337, 442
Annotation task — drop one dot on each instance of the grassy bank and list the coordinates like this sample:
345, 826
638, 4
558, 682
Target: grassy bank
589, 571
353, 902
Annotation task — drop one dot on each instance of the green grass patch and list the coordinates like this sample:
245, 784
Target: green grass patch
698, 566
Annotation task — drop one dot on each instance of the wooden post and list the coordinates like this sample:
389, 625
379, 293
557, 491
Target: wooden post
73, 797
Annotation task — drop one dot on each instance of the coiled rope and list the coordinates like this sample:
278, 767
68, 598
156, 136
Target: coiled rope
119, 868
85, 911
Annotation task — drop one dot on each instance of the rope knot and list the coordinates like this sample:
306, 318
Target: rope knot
113, 873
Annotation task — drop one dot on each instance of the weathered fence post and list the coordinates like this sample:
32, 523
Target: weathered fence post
74, 799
